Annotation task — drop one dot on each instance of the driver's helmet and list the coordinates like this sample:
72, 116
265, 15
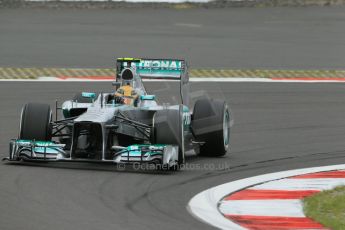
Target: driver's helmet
126, 91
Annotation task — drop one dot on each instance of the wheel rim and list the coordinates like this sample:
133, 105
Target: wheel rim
226, 129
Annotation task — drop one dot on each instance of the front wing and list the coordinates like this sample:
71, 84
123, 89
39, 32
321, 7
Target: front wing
28, 150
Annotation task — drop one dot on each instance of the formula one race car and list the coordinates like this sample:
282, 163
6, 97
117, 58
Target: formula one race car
128, 126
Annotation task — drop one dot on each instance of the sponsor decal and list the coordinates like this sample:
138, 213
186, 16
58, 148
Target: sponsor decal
186, 118
159, 64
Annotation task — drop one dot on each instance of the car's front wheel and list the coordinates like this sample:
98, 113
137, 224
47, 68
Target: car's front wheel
169, 129
35, 122
211, 125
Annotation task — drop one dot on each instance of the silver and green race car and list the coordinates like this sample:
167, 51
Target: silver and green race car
99, 127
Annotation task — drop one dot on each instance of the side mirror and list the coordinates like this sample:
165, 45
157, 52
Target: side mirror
116, 84
88, 95
147, 97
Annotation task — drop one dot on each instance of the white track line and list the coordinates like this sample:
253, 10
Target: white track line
301, 184
283, 208
204, 205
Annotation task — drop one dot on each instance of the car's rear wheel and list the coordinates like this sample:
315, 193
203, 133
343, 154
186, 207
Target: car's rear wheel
35, 122
211, 125
168, 129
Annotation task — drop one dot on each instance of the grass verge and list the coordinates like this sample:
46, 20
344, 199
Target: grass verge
327, 208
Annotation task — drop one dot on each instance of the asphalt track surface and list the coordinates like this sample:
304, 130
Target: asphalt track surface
277, 38
277, 126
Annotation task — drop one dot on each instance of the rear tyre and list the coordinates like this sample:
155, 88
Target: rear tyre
35, 122
211, 125
168, 129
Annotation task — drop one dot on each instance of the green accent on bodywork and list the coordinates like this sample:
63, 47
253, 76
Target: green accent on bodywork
136, 147
41, 146
160, 64
48, 150
132, 147
132, 153
88, 95
147, 97
170, 67
135, 150
154, 68
38, 143
138, 154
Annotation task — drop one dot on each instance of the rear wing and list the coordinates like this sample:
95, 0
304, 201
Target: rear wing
169, 69
164, 69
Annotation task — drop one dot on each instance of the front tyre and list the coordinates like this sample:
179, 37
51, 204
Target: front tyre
35, 122
169, 129
211, 125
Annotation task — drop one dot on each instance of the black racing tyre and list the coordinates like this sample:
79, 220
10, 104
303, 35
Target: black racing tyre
211, 125
168, 129
78, 97
35, 122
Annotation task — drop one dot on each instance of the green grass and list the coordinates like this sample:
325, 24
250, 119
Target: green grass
327, 208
